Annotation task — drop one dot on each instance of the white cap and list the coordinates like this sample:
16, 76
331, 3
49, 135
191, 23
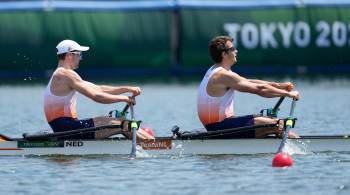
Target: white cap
68, 46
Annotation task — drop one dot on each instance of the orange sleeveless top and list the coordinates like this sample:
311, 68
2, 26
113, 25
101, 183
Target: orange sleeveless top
213, 109
59, 106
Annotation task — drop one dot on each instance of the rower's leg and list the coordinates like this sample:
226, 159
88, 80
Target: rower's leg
101, 121
291, 134
105, 133
263, 132
140, 133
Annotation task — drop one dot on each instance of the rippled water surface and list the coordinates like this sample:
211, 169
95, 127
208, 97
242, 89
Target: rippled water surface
323, 109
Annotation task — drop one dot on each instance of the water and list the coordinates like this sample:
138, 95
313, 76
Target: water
323, 109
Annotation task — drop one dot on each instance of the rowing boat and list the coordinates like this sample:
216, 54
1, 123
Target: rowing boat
172, 146
181, 142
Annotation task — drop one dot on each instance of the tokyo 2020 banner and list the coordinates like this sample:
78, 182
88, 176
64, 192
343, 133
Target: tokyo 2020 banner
307, 37
157, 37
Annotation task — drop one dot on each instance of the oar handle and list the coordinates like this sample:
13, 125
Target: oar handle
126, 107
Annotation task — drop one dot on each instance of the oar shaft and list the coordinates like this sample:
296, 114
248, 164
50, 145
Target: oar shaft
133, 129
284, 140
292, 108
288, 126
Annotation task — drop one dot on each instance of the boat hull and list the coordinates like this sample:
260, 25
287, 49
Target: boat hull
167, 145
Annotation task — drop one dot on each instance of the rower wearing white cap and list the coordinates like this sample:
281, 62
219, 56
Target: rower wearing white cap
60, 94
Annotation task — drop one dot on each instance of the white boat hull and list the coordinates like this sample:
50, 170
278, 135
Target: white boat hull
172, 147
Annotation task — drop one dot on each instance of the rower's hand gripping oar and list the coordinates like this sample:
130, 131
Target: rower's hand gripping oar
276, 108
273, 112
284, 159
134, 127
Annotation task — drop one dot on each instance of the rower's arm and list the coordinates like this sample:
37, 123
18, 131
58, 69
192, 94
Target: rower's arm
242, 84
93, 92
285, 86
122, 89
116, 90
264, 90
261, 82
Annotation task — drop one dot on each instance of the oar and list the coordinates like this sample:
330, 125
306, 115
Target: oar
275, 109
284, 159
126, 107
134, 129
5, 138
119, 114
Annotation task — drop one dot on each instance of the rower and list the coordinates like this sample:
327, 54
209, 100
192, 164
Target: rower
60, 96
216, 94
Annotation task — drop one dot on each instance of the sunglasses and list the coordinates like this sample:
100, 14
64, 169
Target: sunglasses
78, 53
231, 49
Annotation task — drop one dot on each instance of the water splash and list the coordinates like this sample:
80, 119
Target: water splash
296, 147
180, 149
141, 153
28, 78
